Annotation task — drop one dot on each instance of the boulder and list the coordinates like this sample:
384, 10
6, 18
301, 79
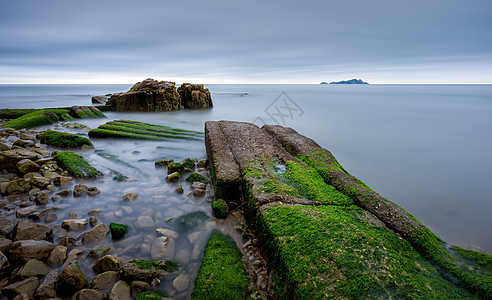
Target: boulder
18, 186
138, 286
70, 280
195, 96
97, 233
23, 143
99, 99
33, 268
80, 190
163, 248
62, 180
148, 95
4, 243
120, 291
42, 199
129, 197
26, 165
9, 158
4, 262
27, 286
104, 281
99, 251
107, 263
25, 211
22, 251
40, 182
6, 226
58, 256
93, 191
74, 224
25, 230
47, 287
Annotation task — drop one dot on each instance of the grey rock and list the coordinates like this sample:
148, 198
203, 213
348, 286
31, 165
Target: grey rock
26, 211
99, 251
26, 165
4, 262
62, 180
33, 268
4, 243
40, 182
138, 286
25, 230
89, 294
80, 190
47, 287
144, 222
7, 226
104, 281
163, 248
74, 224
120, 291
93, 191
42, 198
181, 283
107, 263
58, 256
27, 286
70, 280
96, 234
22, 251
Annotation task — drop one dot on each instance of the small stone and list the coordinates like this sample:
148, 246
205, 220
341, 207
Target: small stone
179, 189
40, 182
173, 176
162, 248
70, 280
138, 286
80, 190
64, 193
50, 217
129, 197
74, 224
26, 165
42, 199
198, 192
94, 212
47, 287
89, 294
93, 191
93, 221
58, 256
167, 232
120, 291
63, 180
202, 163
107, 263
99, 251
4, 262
181, 282
72, 215
144, 222
33, 268
27, 286
104, 281
26, 211
96, 234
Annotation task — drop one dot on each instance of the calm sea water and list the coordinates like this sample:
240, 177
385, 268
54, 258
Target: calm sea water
425, 147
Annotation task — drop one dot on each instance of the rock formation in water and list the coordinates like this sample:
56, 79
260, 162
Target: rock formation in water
152, 95
351, 81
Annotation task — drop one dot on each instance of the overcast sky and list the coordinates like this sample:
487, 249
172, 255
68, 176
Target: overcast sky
229, 41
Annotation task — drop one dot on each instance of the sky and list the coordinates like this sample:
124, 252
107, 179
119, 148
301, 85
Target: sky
230, 41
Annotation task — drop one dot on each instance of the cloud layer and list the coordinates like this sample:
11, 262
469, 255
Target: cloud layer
246, 42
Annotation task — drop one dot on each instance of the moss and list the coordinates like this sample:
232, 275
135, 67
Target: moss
186, 164
222, 274
219, 208
8, 113
150, 295
191, 220
76, 165
163, 162
334, 251
140, 130
118, 231
36, 118
64, 140
165, 265
194, 177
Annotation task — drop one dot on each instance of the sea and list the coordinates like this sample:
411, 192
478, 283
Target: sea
428, 148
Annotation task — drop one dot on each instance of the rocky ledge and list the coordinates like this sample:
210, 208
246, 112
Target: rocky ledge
325, 233
152, 95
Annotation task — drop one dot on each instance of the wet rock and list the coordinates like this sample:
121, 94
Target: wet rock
40, 182
58, 256
181, 283
70, 280
74, 224
24, 143
220, 208
94, 212
183, 256
4, 243
191, 220
42, 199
144, 222
163, 162
4, 262
93, 221
67, 241
107, 263
202, 163
26, 165
89, 294
93, 191
33, 268
50, 217
162, 248
72, 215
9, 158
120, 291
104, 281
26, 211
18, 186
64, 193
99, 251
25, 230
97, 233
179, 189
62, 180
118, 231
99, 99
198, 192
6, 226
129, 197
27, 286
130, 272
80, 190
47, 287
173, 177
138, 287
167, 232
22, 251
195, 96
72, 256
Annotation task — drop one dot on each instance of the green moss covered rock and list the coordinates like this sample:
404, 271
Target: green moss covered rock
118, 231
36, 118
194, 177
64, 140
222, 274
191, 220
150, 295
219, 208
76, 165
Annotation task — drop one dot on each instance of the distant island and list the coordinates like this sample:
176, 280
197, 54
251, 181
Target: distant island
351, 81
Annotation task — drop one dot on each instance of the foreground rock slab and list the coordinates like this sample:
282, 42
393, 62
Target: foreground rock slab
326, 233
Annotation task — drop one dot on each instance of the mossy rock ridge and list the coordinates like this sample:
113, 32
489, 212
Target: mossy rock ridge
64, 140
76, 165
326, 233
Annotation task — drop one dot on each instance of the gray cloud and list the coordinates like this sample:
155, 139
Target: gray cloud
240, 41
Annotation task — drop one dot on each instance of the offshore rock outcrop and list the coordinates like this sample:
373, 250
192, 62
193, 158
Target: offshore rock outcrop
327, 234
152, 95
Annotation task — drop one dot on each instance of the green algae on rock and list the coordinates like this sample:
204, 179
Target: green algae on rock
166, 265
222, 274
150, 295
191, 220
140, 130
38, 118
118, 231
64, 140
76, 165
326, 233
194, 177
219, 208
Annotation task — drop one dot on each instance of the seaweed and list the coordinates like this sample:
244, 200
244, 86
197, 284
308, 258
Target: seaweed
76, 165
64, 140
